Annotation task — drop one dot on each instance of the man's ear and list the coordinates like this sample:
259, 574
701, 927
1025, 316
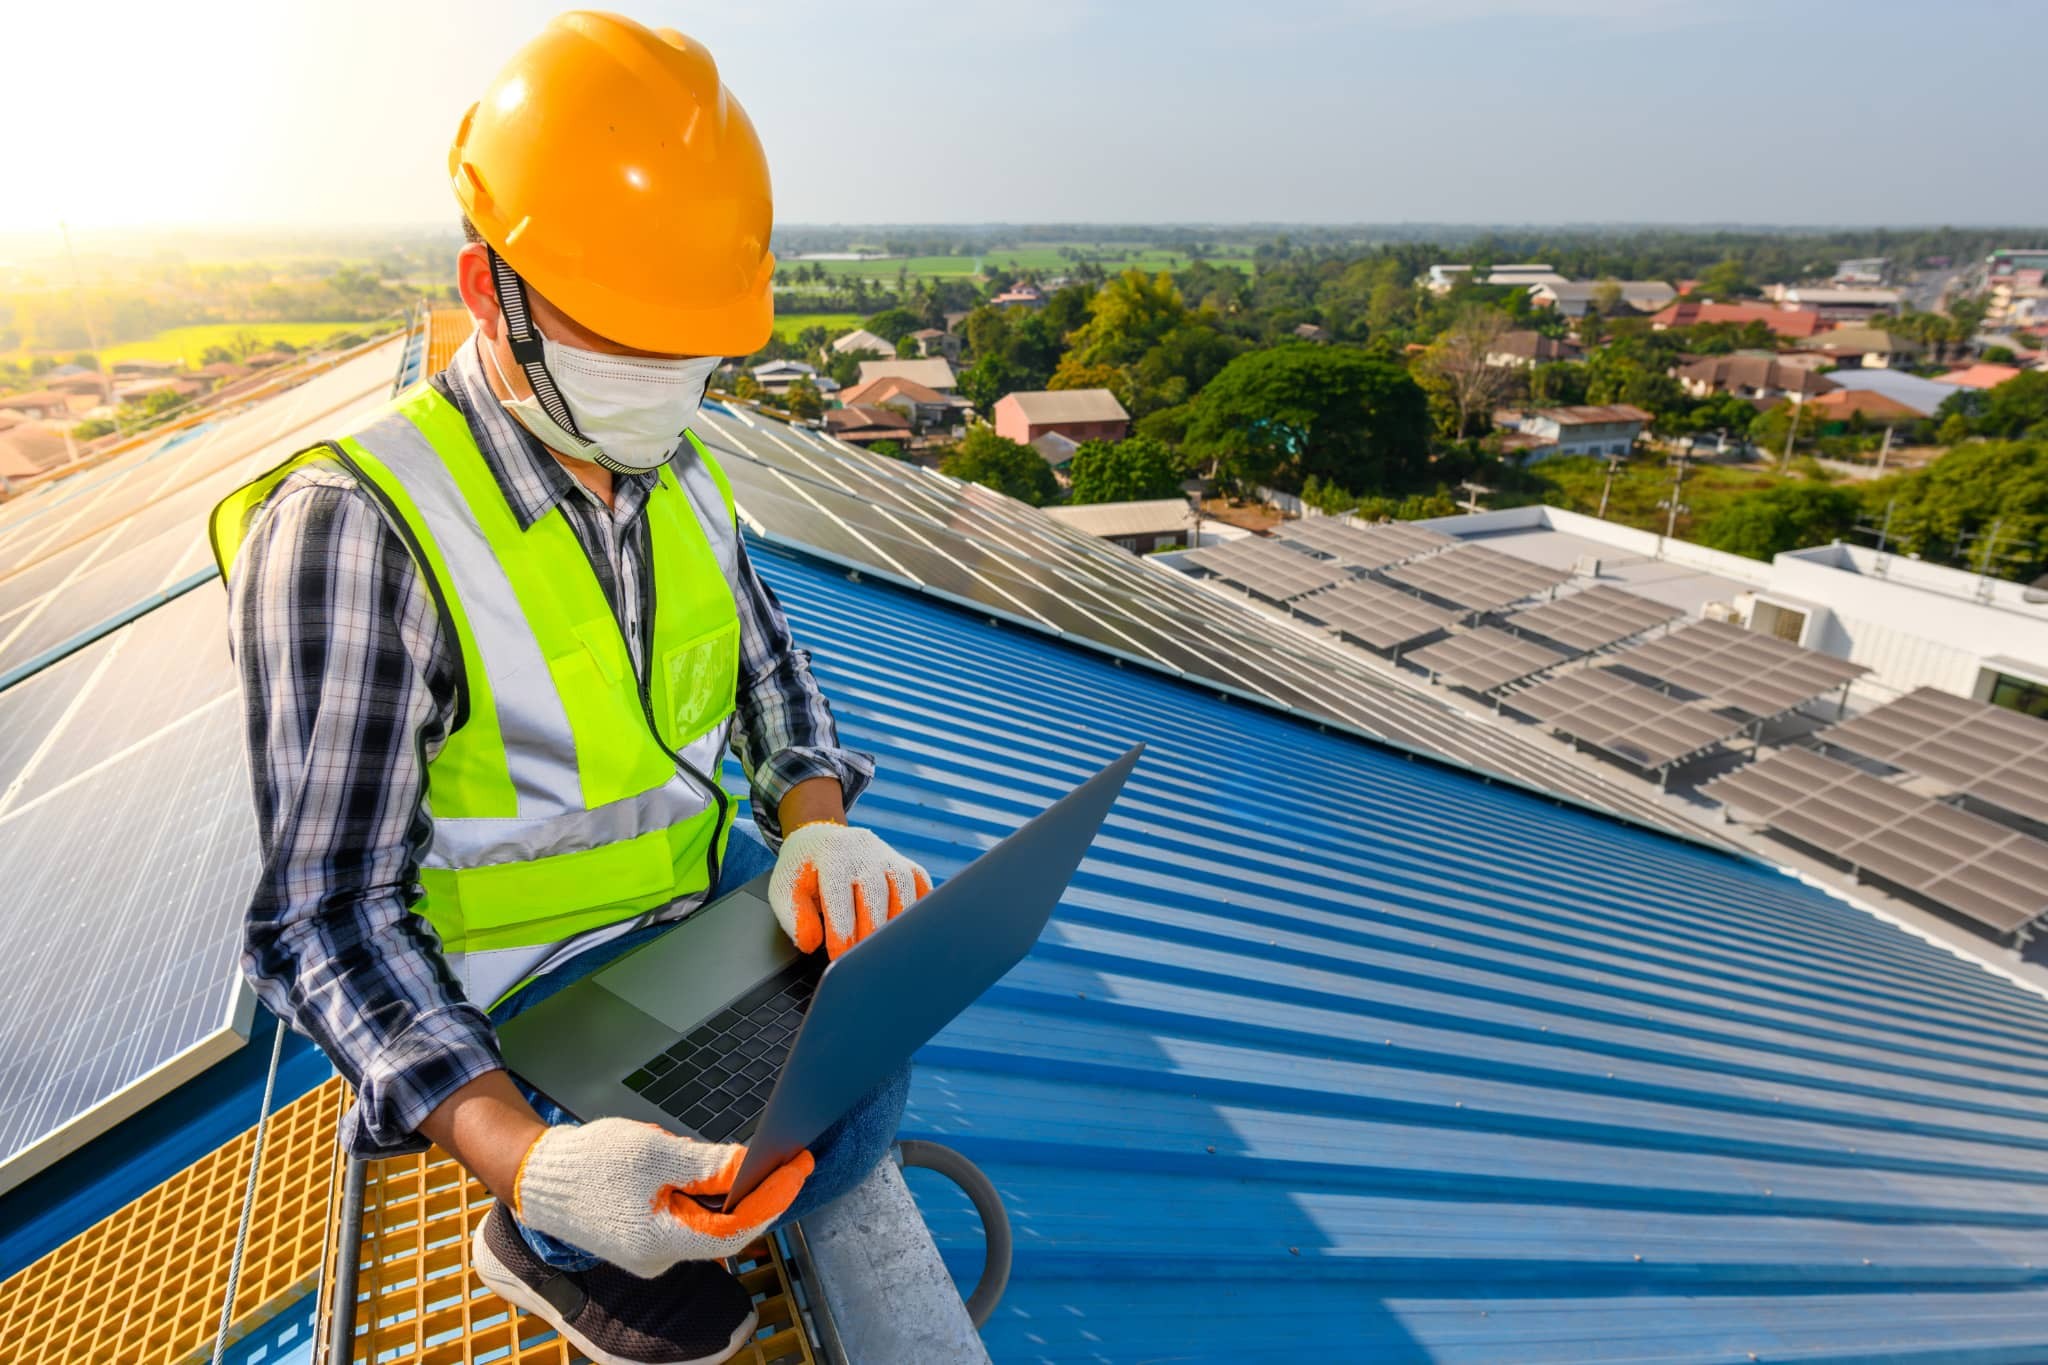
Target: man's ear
479, 292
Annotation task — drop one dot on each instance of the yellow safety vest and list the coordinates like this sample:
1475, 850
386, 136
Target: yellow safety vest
575, 798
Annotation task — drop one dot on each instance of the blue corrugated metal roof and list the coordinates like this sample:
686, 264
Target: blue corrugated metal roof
1336, 1054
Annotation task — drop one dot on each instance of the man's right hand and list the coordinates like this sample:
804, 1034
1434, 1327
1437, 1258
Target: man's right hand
622, 1191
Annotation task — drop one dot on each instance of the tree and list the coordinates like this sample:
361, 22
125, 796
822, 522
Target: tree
1607, 298
1459, 362
1119, 471
1726, 279
746, 388
1787, 517
216, 355
894, 324
1946, 510
1560, 384
1282, 414
985, 381
803, 399
1002, 464
2018, 407
892, 449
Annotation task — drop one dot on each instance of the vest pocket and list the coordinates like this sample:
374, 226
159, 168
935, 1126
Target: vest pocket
703, 678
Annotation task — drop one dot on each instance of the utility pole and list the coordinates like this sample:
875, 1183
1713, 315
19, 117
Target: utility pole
1883, 451
1791, 435
1607, 485
1472, 495
1674, 504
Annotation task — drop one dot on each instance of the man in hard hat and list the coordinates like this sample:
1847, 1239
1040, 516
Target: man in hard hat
494, 646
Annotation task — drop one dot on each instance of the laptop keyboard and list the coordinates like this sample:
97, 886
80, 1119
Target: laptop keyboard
717, 1078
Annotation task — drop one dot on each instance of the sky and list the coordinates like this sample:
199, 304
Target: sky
1313, 111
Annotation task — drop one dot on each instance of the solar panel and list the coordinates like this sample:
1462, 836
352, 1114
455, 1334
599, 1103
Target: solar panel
126, 963
1970, 864
1484, 659
1361, 545
2000, 757
1606, 711
1476, 577
1264, 569
1592, 619
1373, 614
1752, 672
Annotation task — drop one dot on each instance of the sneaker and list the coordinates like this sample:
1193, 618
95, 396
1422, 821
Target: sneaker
694, 1313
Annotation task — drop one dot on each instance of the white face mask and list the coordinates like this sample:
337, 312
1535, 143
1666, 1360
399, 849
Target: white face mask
631, 409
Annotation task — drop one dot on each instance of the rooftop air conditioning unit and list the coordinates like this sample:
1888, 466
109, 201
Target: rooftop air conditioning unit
1588, 566
1721, 611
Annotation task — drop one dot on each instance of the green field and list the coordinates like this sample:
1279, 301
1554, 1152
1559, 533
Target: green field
1041, 258
787, 325
189, 343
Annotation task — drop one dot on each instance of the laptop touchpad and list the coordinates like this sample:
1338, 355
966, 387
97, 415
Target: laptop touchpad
691, 972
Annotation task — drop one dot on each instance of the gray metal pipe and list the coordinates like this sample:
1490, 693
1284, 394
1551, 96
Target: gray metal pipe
348, 1241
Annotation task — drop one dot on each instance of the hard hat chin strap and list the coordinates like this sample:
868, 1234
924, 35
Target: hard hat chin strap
526, 347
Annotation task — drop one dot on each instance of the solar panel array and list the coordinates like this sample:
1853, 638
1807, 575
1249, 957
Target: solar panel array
2000, 757
1608, 712
973, 546
1476, 577
127, 840
1485, 659
1593, 619
1970, 864
1364, 546
1753, 672
1374, 614
1265, 569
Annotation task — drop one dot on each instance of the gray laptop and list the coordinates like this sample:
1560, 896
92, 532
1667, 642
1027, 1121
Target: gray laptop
721, 1030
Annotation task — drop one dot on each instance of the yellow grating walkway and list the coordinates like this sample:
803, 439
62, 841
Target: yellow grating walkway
448, 326
418, 1303
143, 1286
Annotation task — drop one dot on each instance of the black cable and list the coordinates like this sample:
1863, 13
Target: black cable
995, 1219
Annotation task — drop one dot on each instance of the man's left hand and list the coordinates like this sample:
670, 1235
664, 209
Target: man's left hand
834, 885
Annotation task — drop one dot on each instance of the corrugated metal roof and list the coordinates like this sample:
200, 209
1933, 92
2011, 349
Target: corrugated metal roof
1333, 1053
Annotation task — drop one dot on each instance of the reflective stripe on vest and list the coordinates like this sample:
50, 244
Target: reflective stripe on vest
577, 798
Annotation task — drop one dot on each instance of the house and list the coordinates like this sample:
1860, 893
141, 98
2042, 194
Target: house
1979, 376
935, 373
131, 369
31, 448
864, 425
1575, 298
77, 382
1792, 324
925, 406
1923, 396
1141, 527
223, 372
776, 376
1604, 430
1762, 378
1839, 405
1862, 348
1442, 278
860, 341
1058, 451
1526, 350
1078, 414
1021, 295
1838, 304
934, 341
137, 390
264, 360
37, 403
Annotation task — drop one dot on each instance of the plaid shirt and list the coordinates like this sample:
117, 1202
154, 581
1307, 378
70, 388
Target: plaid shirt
349, 682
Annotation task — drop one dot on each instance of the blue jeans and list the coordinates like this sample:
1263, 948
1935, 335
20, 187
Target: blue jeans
844, 1153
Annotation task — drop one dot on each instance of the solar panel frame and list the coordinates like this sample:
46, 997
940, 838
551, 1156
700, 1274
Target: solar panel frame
1986, 752
1967, 862
1485, 659
1745, 669
1593, 619
1475, 577
1364, 545
1638, 724
1266, 570
1374, 615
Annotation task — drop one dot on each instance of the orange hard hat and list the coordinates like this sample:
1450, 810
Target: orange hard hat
609, 166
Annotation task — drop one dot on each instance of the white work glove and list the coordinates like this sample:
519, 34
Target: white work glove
620, 1189
834, 885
